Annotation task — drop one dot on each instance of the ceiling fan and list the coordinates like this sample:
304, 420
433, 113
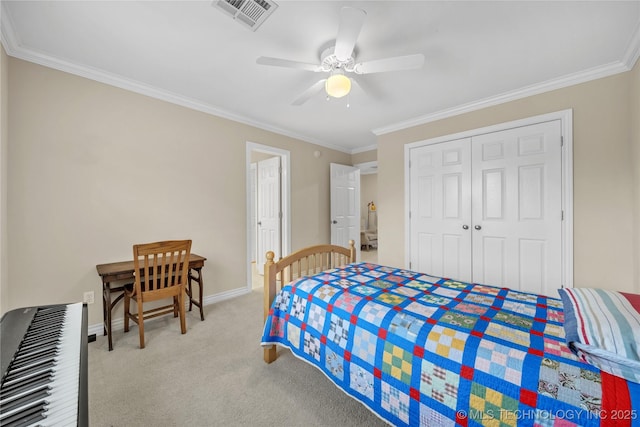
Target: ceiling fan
339, 60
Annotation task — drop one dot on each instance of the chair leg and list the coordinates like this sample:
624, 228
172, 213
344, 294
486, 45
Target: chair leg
127, 303
175, 307
140, 322
183, 320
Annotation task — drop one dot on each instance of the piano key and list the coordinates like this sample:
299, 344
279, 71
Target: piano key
39, 357
26, 399
30, 416
42, 385
20, 386
27, 370
15, 414
16, 396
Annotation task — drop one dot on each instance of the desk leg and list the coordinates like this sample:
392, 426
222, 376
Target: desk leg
106, 312
200, 282
107, 308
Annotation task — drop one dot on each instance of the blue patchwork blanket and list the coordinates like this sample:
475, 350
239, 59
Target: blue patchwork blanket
427, 351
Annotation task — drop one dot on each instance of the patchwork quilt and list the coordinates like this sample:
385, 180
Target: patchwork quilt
427, 351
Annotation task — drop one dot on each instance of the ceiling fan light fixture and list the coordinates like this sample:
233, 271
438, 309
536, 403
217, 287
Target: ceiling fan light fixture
337, 85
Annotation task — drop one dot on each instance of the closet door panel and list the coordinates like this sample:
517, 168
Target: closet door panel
440, 206
493, 260
533, 265
426, 257
493, 197
531, 192
517, 200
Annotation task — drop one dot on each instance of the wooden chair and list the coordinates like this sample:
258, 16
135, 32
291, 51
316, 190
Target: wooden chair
161, 271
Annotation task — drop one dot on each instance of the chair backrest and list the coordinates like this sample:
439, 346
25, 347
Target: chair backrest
160, 266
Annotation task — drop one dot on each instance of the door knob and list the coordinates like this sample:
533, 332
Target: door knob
477, 227
334, 222
259, 222
465, 227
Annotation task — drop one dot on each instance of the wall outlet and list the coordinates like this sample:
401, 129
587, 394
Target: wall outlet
88, 297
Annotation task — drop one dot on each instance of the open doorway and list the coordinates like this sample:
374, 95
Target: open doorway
273, 197
368, 211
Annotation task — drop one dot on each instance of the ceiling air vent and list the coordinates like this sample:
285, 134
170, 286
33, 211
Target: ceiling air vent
251, 13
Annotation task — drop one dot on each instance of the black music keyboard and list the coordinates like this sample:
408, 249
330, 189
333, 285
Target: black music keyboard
43, 355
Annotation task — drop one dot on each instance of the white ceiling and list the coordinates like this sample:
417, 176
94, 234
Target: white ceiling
478, 53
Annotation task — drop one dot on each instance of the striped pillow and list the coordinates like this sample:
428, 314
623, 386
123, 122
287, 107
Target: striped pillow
603, 328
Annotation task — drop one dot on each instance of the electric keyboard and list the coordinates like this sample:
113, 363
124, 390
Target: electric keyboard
43, 355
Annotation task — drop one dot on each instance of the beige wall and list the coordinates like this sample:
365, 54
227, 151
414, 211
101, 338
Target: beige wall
604, 185
4, 132
635, 159
89, 163
364, 157
95, 169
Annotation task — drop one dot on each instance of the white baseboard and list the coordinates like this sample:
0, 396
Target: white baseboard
118, 323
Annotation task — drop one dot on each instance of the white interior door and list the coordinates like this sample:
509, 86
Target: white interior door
269, 210
441, 209
345, 205
517, 208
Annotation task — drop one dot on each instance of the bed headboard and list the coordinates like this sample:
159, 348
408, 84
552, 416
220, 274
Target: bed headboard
305, 262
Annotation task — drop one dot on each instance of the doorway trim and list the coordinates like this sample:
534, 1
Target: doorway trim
285, 191
566, 120
367, 168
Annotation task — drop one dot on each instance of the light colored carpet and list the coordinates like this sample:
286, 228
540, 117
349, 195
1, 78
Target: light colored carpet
213, 375
369, 256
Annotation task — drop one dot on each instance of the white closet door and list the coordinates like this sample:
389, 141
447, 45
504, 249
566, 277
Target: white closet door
517, 208
440, 221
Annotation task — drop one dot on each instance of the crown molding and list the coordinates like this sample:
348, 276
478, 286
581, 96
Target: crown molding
547, 86
632, 53
363, 149
7, 35
626, 64
161, 94
13, 48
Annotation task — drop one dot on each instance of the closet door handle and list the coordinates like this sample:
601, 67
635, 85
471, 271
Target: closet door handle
477, 227
465, 227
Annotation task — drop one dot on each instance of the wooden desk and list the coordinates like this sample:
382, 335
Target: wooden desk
123, 272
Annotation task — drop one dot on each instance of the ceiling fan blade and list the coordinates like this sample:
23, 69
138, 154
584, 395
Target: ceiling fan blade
396, 63
265, 60
317, 87
351, 20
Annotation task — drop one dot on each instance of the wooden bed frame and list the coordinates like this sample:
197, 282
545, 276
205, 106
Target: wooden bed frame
305, 262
